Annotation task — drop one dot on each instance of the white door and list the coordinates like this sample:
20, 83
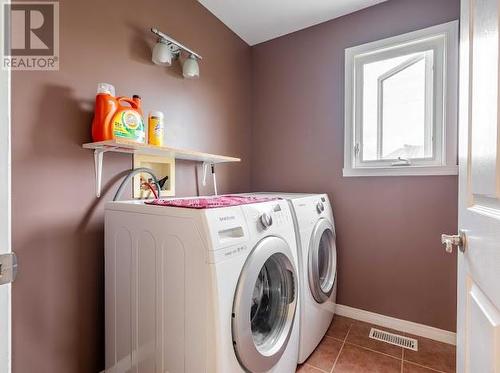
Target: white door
478, 329
5, 290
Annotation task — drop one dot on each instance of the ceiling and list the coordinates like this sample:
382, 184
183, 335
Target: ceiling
256, 21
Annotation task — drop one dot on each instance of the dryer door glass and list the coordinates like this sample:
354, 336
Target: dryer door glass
264, 305
322, 261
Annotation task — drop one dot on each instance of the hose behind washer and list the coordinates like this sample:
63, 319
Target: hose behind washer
130, 175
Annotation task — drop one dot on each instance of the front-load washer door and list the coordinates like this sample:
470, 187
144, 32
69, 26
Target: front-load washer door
264, 305
322, 261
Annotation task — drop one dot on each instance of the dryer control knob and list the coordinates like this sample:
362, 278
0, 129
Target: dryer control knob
266, 220
320, 207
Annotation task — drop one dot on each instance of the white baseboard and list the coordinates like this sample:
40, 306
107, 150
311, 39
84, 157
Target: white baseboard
398, 324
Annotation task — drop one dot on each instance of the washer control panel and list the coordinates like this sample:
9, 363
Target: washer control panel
268, 216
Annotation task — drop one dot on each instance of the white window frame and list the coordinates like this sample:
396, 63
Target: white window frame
441, 99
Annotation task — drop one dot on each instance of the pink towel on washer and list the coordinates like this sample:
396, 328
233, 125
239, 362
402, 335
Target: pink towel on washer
210, 202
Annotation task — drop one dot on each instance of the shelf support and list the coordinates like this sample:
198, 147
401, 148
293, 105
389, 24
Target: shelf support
98, 157
205, 166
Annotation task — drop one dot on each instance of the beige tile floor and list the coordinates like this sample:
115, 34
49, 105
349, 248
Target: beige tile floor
347, 348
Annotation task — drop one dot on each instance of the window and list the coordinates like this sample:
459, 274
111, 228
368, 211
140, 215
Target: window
401, 104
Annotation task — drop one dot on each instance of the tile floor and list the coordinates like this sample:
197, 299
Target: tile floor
346, 348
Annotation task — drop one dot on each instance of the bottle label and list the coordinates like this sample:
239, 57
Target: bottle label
155, 131
128, 124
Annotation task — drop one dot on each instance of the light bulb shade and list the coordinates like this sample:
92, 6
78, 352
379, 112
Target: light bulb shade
190, 68
162, 55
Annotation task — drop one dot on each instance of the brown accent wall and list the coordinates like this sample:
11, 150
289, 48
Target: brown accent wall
58, 305
389, 255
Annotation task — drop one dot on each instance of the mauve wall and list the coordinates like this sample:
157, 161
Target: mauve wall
58, 310
390, 258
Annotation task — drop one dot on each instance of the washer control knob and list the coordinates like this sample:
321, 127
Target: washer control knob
320, 207
266, 220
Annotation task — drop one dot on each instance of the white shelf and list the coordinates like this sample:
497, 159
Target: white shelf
124, 146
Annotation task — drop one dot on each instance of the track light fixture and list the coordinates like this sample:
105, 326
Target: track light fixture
168, 49
162, 55
190, 68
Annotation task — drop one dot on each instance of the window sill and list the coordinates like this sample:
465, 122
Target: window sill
401, 171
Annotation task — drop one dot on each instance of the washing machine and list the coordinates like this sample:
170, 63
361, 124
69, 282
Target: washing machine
212, 288
315, 230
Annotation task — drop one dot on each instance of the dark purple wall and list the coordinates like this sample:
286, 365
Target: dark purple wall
389, 254
58, 309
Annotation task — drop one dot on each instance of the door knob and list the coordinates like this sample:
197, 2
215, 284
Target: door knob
458, 240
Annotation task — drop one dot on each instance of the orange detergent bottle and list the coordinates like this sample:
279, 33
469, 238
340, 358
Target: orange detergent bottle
117, 117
